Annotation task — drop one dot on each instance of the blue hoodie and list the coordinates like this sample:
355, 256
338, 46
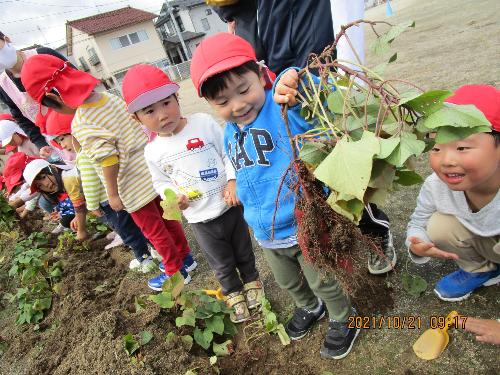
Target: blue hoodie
261, 154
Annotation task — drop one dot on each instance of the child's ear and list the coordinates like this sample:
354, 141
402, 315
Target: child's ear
262, 78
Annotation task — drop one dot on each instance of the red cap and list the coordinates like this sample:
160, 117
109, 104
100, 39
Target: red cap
14, 168
144, 85
42, 73
6, 116
486, 98
58, 124
219, 53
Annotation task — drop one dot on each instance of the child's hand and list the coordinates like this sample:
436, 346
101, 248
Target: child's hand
116, 203
485, 329
23, 214
427, 249
182, 201
97, 212
45, 152
285, 91
230, 194
82, 235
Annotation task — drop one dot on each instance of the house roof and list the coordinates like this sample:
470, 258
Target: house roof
108, 21
186, 35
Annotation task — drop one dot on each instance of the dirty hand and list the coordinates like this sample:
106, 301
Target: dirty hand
182, 201
115, 203
45, 152
285, 91
230, 194
427, 249
486, 330
97, 212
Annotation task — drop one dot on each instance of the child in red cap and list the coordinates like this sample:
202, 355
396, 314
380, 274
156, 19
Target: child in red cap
115, 143
58, 127
224, 71
187, 156
458, 209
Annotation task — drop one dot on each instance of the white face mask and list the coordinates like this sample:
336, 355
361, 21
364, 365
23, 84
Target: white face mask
8, 57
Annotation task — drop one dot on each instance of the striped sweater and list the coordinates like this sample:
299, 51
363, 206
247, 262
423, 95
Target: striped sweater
92, 182
105, 129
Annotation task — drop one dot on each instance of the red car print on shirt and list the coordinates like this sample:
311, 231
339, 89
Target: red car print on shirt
194, 143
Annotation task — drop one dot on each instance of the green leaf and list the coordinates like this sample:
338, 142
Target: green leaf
191, 372
377, 196
313, 153
215, 324
393, 58
427, 102
229, 326
224, 349
42, 304
347, 168
163, 299
203, 338
171, 337
283, 336
187, 318
145, 337
174, 284
377, 71
56, 272
387, 146
335, 102
380, 46
397, 30
130, 345
352, 209
447, 134
414, 285
462, 116
409, 95
270, 321
139, 303
382, 175
409, 145
171, 210
187, 342
408, 178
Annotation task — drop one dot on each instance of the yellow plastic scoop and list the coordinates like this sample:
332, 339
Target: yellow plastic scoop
215, 293
433, 341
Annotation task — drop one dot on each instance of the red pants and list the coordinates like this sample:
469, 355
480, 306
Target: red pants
167, 236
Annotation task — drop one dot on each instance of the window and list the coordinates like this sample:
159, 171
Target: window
179, 23
208, 11
83, 64
127, 40
205, 24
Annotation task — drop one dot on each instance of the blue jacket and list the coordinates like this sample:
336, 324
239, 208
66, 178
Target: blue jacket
261, 154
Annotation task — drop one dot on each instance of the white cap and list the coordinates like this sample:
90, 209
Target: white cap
7, 130
33, 168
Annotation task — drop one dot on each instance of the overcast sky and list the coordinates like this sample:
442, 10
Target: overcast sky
43, 21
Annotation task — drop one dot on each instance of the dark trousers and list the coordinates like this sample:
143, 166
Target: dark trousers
374, 221
226, 243
127, 229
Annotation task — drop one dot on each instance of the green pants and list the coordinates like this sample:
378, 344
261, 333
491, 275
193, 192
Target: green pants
303, 282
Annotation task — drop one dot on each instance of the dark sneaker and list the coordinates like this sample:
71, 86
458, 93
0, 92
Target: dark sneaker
458, 285
303, 319
339, 340
189, 264
378, 264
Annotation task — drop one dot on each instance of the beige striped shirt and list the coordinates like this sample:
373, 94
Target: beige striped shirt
92, 182
104, 128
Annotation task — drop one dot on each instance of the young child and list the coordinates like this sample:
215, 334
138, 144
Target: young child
61, 187
12, 135
114, 142
59, 128
458, 209
188, 157
224, 71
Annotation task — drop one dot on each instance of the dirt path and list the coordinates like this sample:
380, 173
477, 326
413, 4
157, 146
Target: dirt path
454, 42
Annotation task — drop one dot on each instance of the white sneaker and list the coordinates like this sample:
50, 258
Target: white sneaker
59, 229
145, 266
155, 254
111, 235
117, 241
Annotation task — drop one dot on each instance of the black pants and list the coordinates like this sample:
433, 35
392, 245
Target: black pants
374, 221
226, 243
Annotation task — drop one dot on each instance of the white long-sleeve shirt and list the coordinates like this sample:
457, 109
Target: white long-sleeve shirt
436, 196
192, 160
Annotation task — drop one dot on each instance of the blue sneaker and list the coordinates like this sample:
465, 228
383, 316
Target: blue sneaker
157, 282
458, 285
189, 264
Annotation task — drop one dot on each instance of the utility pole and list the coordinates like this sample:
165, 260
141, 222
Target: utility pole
178, 31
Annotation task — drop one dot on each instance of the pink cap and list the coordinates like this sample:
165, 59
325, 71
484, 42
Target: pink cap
144, 85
